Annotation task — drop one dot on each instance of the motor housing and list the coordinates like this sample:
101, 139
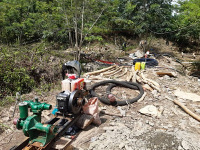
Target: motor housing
69, 102
62, 101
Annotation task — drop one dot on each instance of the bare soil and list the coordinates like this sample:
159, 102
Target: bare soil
173, 130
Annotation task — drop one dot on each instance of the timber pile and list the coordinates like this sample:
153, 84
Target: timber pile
123, 73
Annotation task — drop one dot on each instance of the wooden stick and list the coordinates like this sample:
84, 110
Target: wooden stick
143, 96
131, 74
152, 83
134, 76
195, 116
99, 71
110, 72
119, 70
125, 72
110, 114
98, 78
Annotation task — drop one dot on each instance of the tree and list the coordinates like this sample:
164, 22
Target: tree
81, 17
188, 24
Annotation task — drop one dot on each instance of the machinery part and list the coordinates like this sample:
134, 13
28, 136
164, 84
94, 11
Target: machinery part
130, 85
61, 130
23, 109
76, 102
70, 103
31, 125
33, 129
71, 67
62, 102
150, 62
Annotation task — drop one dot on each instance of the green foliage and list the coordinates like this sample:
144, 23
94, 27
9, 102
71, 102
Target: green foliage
13, 77
7, 100
196, 66
187, 22
93, 38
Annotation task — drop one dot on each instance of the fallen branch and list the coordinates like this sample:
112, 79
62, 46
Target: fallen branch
119, 70
110, 114
131, 74
154, 82
134, 74
143, 96
195, 116
150, 82
125, 72
100, 71
138, 78
98, 78
110, 72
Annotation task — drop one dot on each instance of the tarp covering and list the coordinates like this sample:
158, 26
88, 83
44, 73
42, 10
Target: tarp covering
71, 67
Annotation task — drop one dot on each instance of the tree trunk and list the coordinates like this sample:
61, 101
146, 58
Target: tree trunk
82, 25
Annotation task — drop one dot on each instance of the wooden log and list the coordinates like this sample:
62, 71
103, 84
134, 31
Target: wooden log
125, 72
119, 70
84, 121
131, 74
195, 116
153, 82
143, 96
150, 82
134, 78
98, 78
110, 72
138, 79
170, 74
62, 144
100, 71
110, 114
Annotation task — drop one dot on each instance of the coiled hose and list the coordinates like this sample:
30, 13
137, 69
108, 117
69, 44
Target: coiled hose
115, 83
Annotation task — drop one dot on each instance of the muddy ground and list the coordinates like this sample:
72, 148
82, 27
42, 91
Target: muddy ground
173, 129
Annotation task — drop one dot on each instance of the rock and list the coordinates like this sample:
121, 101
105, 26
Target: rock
185, 95
8, 131
127, 147
198, 111
109, 128
122, 112
121, 145
149, 110
180, 148
166, 77
155, 93
151, 124
93, 139
5, 119
185, 145
11, 110
101, 138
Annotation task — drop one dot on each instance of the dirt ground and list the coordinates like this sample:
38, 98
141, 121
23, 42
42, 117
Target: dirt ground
172, 129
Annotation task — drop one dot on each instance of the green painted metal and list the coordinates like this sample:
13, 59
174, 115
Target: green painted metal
23, 108
32, 126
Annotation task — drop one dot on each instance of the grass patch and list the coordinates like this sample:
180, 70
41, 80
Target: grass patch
7, 101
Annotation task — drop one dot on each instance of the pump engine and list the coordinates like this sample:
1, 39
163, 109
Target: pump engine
69, 102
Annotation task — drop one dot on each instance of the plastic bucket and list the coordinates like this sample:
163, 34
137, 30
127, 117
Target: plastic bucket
137, 65
150, 62
143, 65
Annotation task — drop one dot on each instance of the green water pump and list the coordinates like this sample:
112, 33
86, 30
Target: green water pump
31, 125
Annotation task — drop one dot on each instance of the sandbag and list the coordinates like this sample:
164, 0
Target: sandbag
91, 108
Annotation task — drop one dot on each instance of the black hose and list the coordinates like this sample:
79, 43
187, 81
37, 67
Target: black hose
130, 85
